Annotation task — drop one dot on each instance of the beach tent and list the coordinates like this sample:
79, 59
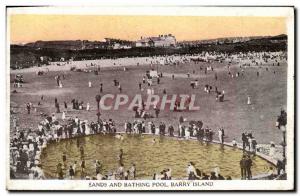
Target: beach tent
153, 73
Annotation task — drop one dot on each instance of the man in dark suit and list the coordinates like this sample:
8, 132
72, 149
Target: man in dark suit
243, 167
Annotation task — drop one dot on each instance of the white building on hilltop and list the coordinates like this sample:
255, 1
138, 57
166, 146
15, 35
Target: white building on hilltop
160, 41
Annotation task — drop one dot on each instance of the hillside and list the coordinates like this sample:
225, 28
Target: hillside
27, 56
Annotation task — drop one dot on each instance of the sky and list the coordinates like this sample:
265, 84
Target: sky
30, 28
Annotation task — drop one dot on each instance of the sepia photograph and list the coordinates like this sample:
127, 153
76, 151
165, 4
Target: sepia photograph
150, 98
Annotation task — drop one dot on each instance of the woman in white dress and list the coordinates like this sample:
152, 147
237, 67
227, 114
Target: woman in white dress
187, 133
156, 130
248, 100
216, 169
63, 116
87, 128
60, 84
220, 135
149, 127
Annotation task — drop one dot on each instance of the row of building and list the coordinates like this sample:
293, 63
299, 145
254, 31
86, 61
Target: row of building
108, 43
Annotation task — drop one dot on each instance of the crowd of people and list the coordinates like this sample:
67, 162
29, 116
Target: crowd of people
26, 145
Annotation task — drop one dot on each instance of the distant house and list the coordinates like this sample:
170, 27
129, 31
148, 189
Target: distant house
144, 42
120, 46
160, 41
118, 43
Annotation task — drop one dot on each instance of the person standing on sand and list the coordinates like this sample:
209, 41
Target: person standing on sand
63, 116
57, 78
220, 134
120, 88
57, 107
90, 84
87, 107
249, 100
28, 107
223, 134
101, 88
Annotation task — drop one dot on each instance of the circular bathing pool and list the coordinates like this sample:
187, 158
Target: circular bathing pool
149, 157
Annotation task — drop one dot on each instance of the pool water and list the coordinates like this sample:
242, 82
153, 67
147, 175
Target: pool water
149, 157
